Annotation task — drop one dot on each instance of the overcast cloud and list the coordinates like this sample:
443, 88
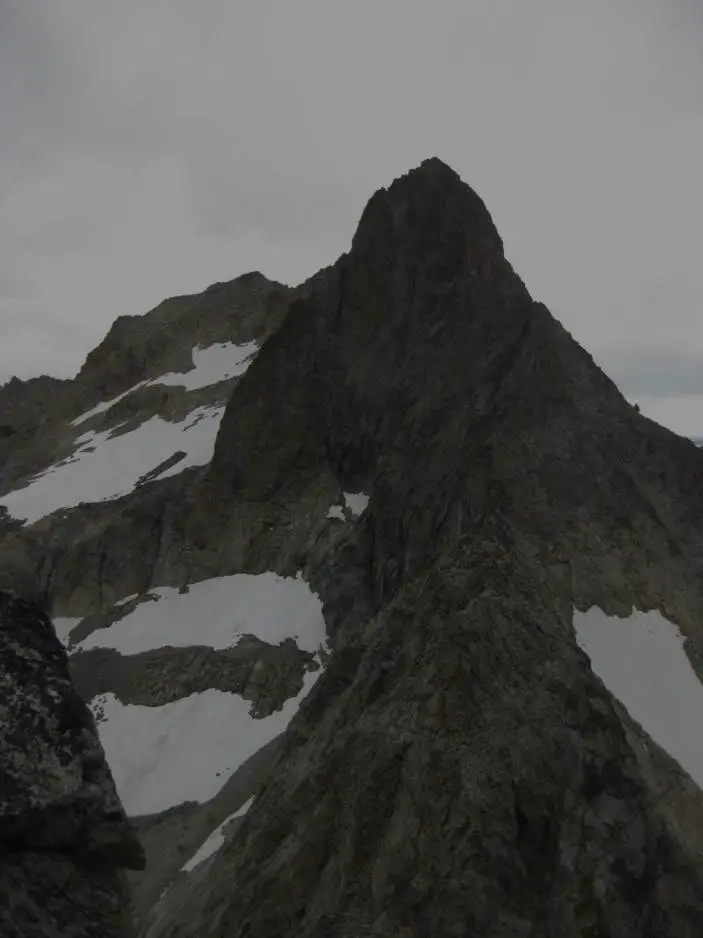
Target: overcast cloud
151, 147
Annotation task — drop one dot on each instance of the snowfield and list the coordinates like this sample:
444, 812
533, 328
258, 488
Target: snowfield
642, 662
212, 364
214, 840
186, 750
161, 757
106, 405
105, 466
217, 613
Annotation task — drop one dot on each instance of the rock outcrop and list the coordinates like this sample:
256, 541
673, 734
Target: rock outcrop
458, 769
25, 409
140, 347
64, 837
36, 430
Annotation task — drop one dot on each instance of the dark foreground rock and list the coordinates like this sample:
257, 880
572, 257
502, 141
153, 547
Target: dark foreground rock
64, 837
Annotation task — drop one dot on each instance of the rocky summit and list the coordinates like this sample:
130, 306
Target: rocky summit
385, 603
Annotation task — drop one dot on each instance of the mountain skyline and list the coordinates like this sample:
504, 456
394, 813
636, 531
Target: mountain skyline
173, 146
382, 601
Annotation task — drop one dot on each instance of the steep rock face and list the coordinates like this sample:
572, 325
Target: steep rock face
36, 426
64, 836
423, 370
81, 557
24, 403
458, 736
82, 560
139, 347
457, 770
25, 408
265, 675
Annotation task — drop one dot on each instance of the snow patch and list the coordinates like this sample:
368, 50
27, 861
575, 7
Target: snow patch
356, 502
161, 757
336, 511
212, 364
63, 626
106, 466
214, 841
106, 405
217, 613
642, 662
126, 599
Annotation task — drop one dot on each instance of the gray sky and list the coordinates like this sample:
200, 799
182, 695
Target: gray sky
151, 147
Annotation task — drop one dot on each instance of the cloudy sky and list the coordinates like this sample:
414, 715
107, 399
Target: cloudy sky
151, 147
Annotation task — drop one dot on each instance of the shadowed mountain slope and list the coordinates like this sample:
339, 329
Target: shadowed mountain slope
457, 769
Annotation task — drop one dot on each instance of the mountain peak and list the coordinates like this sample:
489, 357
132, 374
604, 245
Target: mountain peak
418, 453
429, 211
433, 168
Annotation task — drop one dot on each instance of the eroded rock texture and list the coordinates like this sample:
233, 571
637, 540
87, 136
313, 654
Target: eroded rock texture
64, 837
458, 770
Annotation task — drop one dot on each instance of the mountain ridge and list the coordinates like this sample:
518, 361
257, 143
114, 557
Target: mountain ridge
454, 736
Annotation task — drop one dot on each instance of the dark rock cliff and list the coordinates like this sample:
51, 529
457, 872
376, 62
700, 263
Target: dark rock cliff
64, 836
420, 368
140, 347
25, 409
33, 413
458, 770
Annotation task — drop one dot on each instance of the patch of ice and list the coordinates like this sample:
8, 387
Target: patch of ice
211, 365
161, 757
126, 599
356, 502
107, 467
217, 612
214, 840
106, 405
336, 511
63, 626
642, 662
